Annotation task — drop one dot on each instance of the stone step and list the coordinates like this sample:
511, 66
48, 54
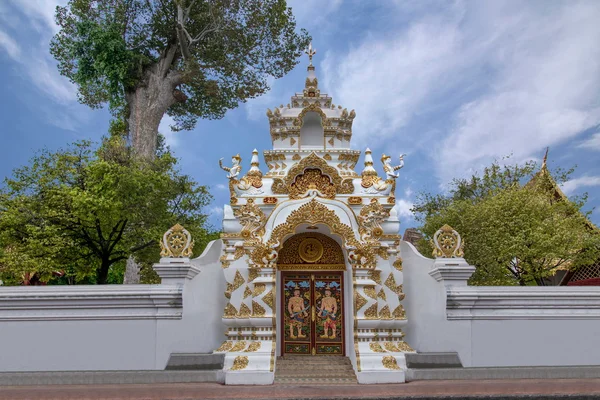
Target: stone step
433, 360
195, 361
315, 381
538, 372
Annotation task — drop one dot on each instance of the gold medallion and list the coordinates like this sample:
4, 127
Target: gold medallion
310, 250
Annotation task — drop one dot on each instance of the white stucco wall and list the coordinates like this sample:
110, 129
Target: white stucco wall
428, 330
112, 327
500, 326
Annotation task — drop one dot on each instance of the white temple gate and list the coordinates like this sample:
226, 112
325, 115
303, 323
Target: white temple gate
311, 188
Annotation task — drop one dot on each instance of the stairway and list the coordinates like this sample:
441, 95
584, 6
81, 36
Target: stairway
314, 370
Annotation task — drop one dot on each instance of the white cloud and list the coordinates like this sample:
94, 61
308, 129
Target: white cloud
593, 142
40, 12
220, 186
403, 207
495, 78
388, 79
171, 138
572, 185
10, 46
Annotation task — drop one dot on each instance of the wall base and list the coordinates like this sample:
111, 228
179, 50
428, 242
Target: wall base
249, 378
381, 377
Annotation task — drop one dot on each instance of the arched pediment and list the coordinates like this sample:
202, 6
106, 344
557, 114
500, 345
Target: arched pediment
299, 178
336, 215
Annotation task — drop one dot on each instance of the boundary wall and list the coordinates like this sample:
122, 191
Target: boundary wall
137, 327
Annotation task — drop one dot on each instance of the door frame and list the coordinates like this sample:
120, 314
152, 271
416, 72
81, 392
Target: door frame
343, 309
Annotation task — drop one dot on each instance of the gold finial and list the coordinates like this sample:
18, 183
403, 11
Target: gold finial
237, 157
176, 243
447, 243
384, 157
311, 52
545, 158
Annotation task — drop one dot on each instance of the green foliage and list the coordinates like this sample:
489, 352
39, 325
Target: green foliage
217, 52
513, 233
84, 211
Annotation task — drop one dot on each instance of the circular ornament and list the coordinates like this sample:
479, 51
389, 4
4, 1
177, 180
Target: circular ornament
310, 250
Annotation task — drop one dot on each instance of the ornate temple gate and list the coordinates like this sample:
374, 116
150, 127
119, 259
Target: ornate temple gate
312, 296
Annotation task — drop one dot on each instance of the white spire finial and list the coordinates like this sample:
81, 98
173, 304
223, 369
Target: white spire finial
311, 52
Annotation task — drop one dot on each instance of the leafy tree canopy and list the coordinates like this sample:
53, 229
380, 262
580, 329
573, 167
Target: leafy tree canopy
517, 228
84, 211
188, 58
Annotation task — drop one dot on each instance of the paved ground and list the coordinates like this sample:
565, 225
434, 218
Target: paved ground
525, 388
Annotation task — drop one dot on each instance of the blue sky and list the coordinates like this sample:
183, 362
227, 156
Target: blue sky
454, 85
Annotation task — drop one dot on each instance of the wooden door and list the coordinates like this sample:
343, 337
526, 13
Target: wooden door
313, 310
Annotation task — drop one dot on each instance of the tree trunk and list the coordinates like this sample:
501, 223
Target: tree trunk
103, 271
149, 102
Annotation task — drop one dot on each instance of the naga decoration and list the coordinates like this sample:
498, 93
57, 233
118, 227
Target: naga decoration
252, 219
176, 243
370, 218
447, 243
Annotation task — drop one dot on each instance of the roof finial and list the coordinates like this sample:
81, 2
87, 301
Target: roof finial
545, 158
311, 52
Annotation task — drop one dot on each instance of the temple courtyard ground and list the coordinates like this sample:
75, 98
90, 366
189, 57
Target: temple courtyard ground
472, 389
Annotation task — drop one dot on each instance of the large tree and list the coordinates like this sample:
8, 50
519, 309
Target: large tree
517, 226
189, 59
82, 210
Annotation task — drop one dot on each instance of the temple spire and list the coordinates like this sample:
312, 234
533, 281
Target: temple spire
311, 52
545, 159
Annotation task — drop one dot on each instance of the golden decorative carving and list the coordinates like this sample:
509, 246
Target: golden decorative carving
376, 347
245, 311
311, 267
389, 346
375, 275
259, 288
239, 363
355, 200
176, 243
253, 274
310, 250
254, 346
359, 301
270, 200
391, 200
314, 107
296, 157
331, 142
312, 179
269, 298
390, 282
314, 213
252, 219
230, 311
371, 312
258, 310
381, 295
313, 161
447, 243
238, 281
247, 292
385, 312
226, 346
370, 291
398, 264
382, 252
327, 157
390, 363
371, 216
399, 313
404, 347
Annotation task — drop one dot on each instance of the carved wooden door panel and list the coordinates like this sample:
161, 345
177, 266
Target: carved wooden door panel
313, 313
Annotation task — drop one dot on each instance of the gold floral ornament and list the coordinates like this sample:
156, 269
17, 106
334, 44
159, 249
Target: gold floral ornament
176, 243
239, 363
390, 363
447, 243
